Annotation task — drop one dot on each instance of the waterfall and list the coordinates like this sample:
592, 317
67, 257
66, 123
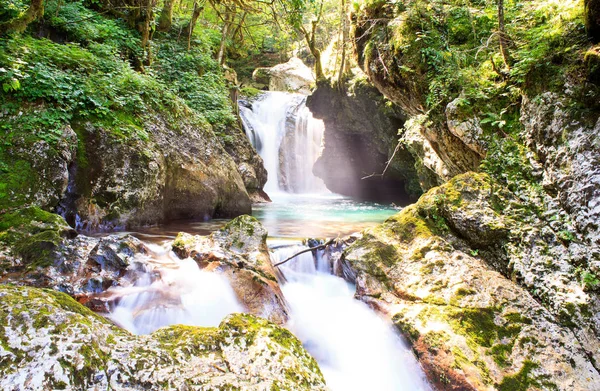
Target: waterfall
288, 138
356, 348
171, 291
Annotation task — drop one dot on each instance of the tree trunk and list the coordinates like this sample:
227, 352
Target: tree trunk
227, 19
502, 36
35, 11
146, 16
342, 69
592, 19
316, 53
190, 27
166, 16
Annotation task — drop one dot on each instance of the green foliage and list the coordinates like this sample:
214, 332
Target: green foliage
10, 9
84, 66
450, 50
195, 77
590, 280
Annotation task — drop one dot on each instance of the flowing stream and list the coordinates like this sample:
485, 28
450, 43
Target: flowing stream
355, 347
288, 138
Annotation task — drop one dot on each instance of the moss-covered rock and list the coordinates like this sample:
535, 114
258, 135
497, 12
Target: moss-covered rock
48, 341
31, 238
40, 249
239, 251
483, 297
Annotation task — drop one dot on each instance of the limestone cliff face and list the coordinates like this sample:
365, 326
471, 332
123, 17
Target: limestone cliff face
454, 269
174, 169
441, 150
444, 270
361, 134
48, 342
178, 170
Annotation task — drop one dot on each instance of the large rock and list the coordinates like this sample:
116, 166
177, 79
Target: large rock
292, 76
361, 133
176, 173
49, 342
240, 252
36, 172
249, 163
570, 153
39, 249
148, 171
488, 300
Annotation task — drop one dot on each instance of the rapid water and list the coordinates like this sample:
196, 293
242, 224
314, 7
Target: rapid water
168, 291
356, 349
288, 138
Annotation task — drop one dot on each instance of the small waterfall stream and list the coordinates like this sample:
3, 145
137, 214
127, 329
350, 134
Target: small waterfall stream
356, 349
168, 291
288, 138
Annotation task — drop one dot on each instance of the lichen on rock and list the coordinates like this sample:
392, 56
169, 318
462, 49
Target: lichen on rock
480, 295
48, 341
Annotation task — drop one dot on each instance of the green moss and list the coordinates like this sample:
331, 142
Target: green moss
38, 250
250, 92
183, 241
408, 224
34, 235
524, 380
478, 324
405, 327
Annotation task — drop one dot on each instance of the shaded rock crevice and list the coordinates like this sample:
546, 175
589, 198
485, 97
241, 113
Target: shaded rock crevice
361, 133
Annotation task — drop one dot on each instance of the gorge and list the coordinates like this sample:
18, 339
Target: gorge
299, 195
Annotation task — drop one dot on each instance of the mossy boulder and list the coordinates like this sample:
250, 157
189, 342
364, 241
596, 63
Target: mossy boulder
160, 177
48, 341
33, 236
35, 171
239, 251
485, 301
40, 249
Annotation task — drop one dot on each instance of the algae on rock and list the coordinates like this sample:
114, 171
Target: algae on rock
481, 295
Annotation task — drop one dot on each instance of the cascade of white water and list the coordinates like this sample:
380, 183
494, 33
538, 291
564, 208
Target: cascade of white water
173, 291
356, 349
288, 138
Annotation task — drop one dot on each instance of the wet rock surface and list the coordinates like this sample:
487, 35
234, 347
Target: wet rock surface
249, 164
239, 251
483, 290
292, 76
48, 341
361, 133
179, 172
43, 251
